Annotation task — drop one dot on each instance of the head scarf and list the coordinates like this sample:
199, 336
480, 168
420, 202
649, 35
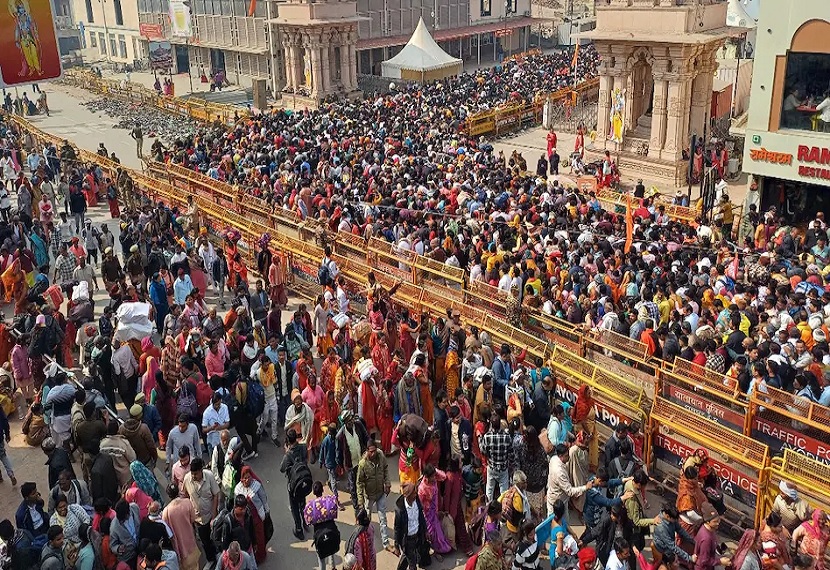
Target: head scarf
145, 480
148, 382
146, 343
584, 404
814, 526
745, 546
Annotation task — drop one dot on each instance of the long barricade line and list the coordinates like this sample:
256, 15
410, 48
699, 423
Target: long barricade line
511, 117
683, 406
198, 109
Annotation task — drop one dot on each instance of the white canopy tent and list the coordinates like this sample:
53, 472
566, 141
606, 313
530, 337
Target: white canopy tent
422, 59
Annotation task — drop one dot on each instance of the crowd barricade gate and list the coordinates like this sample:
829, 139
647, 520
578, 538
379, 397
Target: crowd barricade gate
350, 246
484, 294
702, 396
481, 124
555, 330
617, 401
501, 332
625, 356
786, 421
386, 257
429, 272
675, 433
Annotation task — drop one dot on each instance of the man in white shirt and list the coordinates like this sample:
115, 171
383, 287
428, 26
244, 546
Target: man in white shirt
215, 419
559, 481
342, 297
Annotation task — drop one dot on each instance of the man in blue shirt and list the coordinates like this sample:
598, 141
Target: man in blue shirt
182, 287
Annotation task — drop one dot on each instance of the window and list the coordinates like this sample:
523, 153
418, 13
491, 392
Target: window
122, 47
119, 15
89, 16
806, 104
113, 45
93, 40
102, 43
486, 7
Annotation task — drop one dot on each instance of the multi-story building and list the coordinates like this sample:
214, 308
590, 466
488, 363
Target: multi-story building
484, 30
787, 148
224, 39
68, 36
110, 30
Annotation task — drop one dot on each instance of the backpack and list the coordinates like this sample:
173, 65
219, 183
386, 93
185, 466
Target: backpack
324, 273
622, 473
255, 403
229, 399
229, 479
204, 394
186, 401
327, 541
299, 479
219, 528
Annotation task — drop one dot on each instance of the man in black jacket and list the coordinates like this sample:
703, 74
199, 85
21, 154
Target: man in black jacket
606, 531
294, 452
544, 397
410, 535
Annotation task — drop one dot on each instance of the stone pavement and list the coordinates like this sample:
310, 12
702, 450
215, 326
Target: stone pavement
531, 142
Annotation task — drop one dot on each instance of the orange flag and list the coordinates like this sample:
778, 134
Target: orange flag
251, 8
576, 54
629, 223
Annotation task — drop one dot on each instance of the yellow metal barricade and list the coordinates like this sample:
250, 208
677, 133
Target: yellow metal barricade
623, 355
786, 421
740, 461
704, 395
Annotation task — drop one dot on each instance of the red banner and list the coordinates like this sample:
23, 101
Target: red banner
151, 31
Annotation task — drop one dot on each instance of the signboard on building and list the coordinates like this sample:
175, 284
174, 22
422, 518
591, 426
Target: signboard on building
181, 25
161, 55
28, 43
151, 31
801, 156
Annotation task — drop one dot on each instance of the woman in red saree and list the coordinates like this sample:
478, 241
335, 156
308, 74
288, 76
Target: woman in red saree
330, 413
811, 537
90, 189
386, 423
250, 486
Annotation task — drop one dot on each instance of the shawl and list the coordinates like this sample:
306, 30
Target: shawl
227, 563
410, 404
145, 480
813, 527
690, 496
745, 545
148, 382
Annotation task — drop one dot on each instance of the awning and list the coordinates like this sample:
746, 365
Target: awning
452, 33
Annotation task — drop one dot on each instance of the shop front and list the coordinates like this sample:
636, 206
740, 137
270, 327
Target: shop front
793, 175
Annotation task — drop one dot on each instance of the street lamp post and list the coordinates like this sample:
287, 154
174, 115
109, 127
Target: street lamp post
107, 46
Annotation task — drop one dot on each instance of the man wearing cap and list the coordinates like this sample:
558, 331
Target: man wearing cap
135, 266
351, 443
707, 542
792, 509
373, 486
138, 435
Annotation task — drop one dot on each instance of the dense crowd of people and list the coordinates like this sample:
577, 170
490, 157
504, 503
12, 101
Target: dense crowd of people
491, 463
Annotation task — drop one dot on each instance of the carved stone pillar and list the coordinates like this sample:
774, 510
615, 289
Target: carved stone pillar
699, 102
312, 45
289, 72
677, 113
327, 85
659, 109
352, 60
604, 105
297, 64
